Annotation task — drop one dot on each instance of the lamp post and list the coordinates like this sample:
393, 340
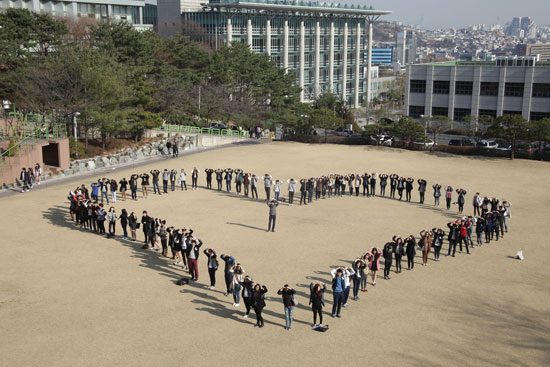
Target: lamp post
74, 132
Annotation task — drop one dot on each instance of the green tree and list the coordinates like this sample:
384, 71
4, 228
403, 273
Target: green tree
408, 129
540, 130
511, 128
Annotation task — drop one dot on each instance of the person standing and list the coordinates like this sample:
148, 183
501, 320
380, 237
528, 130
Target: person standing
145, 222
104, 187
291, 190
219, 178
209, 172
163, 234
237, 277
461, 199
399, 251
374, 263
273, 204
212, 266
393, 184
358, 275
173, 176
437, 193
277, 189
387, 252
124, 223
114, 187
258, 299
410, 250
95, 190
183, 180
383, 184
123, 187
289, 302
452, 237
229, 263
317, 302
267, 185
134, 186
144, 184
239, 179
422, 189
408, 188
476, 203
254, 186
437, 243
111, 219
303, 191
228, 179
246, 184
23, 178
449, 196
247, 292
133, 223
194, 178
192, 252
101, 215
426, 244
155, 178
338, 287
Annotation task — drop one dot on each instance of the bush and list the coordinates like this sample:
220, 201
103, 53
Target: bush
12, 149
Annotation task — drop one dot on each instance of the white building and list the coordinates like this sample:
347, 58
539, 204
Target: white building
131, 11
458, 89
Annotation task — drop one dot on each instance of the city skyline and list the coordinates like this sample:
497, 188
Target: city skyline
429, 13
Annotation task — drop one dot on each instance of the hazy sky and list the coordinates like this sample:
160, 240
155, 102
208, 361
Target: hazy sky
458, 13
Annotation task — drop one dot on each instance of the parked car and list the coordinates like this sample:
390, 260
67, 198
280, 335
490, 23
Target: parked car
382, 139
487, 143
427, 143
504, 147
464, 142
218, 125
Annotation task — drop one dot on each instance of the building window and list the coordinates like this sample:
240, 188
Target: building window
541, 90
513, 89
440, 111
511, 112
418, 86
441, 87
489, 89
491, 113
539, 115
462, 113
464, 88
416, 111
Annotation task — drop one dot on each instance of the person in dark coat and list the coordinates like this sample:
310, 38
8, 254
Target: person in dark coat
258, 302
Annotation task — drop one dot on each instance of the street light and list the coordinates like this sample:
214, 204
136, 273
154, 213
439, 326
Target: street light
75, 137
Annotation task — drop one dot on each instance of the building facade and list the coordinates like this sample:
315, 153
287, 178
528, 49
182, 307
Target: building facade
323, 44
131, 11
542, 50
461, 89
382, 56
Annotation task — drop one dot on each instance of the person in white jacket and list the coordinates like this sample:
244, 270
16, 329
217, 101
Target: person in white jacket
183, 179
291, 191
277, 189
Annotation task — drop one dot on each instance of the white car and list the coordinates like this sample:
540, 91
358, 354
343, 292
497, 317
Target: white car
504, 147
488, 144
427, 144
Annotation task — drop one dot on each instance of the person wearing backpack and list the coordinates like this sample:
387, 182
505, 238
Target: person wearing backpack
289, 302
212, 266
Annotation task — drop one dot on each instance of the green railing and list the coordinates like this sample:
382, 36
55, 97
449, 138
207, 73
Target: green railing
201, 130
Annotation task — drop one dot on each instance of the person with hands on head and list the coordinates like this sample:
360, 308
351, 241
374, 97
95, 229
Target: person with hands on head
317, 302
212, 266
258, 302
289, 302
273, 204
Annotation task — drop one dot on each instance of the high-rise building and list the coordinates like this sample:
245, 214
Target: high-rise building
523, 27
323, 44
401, 48
140, 13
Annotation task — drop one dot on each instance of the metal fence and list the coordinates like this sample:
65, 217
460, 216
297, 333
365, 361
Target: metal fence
201, 130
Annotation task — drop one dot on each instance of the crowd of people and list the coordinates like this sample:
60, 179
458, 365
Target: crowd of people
489, 221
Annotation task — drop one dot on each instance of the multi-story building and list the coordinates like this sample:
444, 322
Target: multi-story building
382, 56
323, 44
459, 89
542, 50
140, 13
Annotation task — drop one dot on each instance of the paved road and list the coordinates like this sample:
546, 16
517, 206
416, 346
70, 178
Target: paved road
85, 175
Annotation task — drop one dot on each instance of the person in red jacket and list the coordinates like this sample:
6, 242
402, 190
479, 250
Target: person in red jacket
463, 233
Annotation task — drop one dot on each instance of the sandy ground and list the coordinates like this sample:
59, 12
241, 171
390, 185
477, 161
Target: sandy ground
71, 298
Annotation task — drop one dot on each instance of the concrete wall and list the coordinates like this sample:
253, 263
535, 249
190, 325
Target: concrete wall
29, 156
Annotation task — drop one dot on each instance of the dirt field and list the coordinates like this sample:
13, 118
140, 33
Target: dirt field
71, 298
